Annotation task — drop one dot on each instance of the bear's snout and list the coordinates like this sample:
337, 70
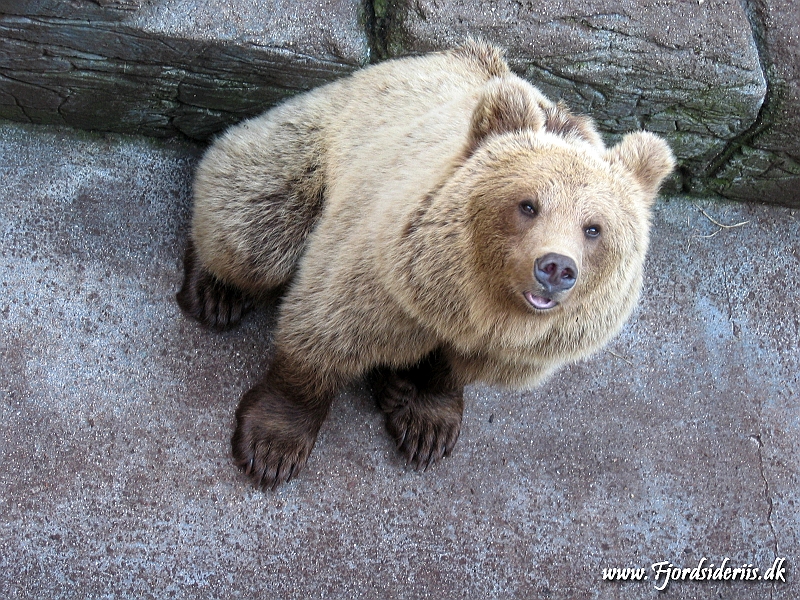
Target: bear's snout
556, 272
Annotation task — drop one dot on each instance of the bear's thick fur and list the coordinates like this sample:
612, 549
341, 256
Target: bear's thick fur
435, 221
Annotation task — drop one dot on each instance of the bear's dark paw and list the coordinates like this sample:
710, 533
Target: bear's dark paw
273, 438
208, 300
424, 425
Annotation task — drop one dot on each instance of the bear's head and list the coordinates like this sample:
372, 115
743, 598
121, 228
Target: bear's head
558, 226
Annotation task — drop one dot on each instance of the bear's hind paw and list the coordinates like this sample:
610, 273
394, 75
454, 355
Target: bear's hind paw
208, 300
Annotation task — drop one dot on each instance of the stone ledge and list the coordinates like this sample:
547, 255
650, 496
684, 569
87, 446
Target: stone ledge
718, 78
170, 66
682, 70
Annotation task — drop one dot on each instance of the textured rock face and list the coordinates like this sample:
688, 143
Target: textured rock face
766, 166
169, 65
719, 78
687, 70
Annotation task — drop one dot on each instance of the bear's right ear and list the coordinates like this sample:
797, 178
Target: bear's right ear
505, 106
646, 156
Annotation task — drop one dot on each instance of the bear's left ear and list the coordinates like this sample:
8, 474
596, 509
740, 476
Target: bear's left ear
646, 156
505, 105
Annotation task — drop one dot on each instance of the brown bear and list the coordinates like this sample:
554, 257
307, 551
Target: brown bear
434, 221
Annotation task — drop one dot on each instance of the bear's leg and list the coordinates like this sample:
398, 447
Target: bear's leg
258, 193
277, 422
204, 297
423, 406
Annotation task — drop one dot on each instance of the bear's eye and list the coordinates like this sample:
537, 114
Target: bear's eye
592, 231
527, 208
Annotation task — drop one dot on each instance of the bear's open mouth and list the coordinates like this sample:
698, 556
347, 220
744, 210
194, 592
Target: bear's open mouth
539, 302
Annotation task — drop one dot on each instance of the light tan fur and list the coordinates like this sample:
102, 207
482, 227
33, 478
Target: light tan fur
391, 199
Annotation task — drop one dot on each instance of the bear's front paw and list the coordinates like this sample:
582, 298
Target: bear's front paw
424, 424
208, 300
273, 438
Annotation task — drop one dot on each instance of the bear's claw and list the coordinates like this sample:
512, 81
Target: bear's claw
208, 300
424, 420
421, 440
273, 438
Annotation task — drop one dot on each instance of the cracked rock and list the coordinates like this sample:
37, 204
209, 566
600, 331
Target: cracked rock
169, 65
687, 70
766, 166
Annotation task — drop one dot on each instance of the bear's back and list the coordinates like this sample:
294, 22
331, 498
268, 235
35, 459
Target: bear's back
395, 132
399, 127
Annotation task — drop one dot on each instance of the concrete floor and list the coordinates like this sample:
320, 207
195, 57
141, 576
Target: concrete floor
679, 442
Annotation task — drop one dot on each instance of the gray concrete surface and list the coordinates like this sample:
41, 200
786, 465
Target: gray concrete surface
679, 442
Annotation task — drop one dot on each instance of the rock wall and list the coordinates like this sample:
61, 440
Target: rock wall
719, 78
764, 163
168, 66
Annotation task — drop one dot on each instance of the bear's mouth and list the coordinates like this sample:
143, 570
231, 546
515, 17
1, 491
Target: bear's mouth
540, 302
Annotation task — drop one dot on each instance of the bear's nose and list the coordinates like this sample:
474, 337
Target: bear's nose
556, 272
